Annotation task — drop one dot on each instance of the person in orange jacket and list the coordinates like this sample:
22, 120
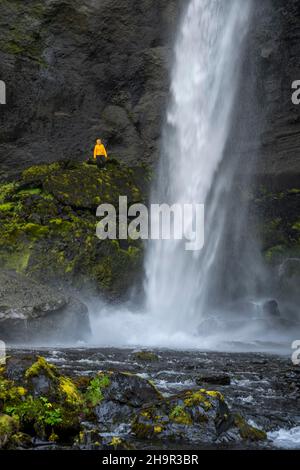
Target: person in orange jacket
100, 154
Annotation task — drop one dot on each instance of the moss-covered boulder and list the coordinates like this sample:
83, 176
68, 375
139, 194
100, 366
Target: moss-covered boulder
48, 406
111, 410
48, 225
122, 394
145, 356
195, 416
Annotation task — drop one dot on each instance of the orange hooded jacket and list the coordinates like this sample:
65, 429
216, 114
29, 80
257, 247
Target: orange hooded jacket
99, 150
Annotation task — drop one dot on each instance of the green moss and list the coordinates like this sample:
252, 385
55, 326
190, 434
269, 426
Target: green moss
39, 173
8, 426
199, 397
248, 432
17, 260
276, 251
29, 192
70, 392
46, 211
23, 34
180, 416
9, 392
146, 356
41, 366
142, 430
296, 225
6, 207
6, 190
35, 231
57, 413
215, 394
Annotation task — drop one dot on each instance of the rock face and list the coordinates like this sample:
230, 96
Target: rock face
90, 69
48, 230
277, 53
101, 69
31, 312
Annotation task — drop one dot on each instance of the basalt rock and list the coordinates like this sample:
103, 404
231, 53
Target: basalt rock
112, 410
78, 70
195, 416
215, 379
48, 227
31, 312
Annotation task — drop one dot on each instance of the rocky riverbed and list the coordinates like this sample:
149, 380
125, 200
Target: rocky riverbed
157, 399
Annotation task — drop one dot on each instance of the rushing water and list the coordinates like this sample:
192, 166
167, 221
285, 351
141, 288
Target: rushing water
263, 388
204, 83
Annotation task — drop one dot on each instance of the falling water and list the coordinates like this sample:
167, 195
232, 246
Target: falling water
204, 84
182, 286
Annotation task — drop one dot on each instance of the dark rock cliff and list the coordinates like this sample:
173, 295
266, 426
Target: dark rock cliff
277, 55
77, 70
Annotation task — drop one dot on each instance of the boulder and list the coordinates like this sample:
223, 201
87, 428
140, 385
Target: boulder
32, 312
194, 416
213, 378
123, 394
271, 309
111, 410
145, 356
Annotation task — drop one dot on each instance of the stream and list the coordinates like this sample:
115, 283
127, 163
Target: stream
264, 388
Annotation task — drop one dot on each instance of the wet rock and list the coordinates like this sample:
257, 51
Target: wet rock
271, 309
123, 395
30, 311
195, 416
48, 405
213, 378
130, 389
147, 356
111, 410
91, 439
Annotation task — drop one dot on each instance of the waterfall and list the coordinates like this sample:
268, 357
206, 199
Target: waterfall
181, 286
204, 83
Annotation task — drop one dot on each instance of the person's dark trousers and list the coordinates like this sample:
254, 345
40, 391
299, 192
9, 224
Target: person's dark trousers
100, 160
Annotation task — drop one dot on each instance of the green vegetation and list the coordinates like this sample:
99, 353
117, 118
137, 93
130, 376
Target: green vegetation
146, 356
248, 432
180, 416
24, 37
56, 413
94, 395
48, 230
279, 224
41, 366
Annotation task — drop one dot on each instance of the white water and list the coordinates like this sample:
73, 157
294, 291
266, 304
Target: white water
286, 438
204, 82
